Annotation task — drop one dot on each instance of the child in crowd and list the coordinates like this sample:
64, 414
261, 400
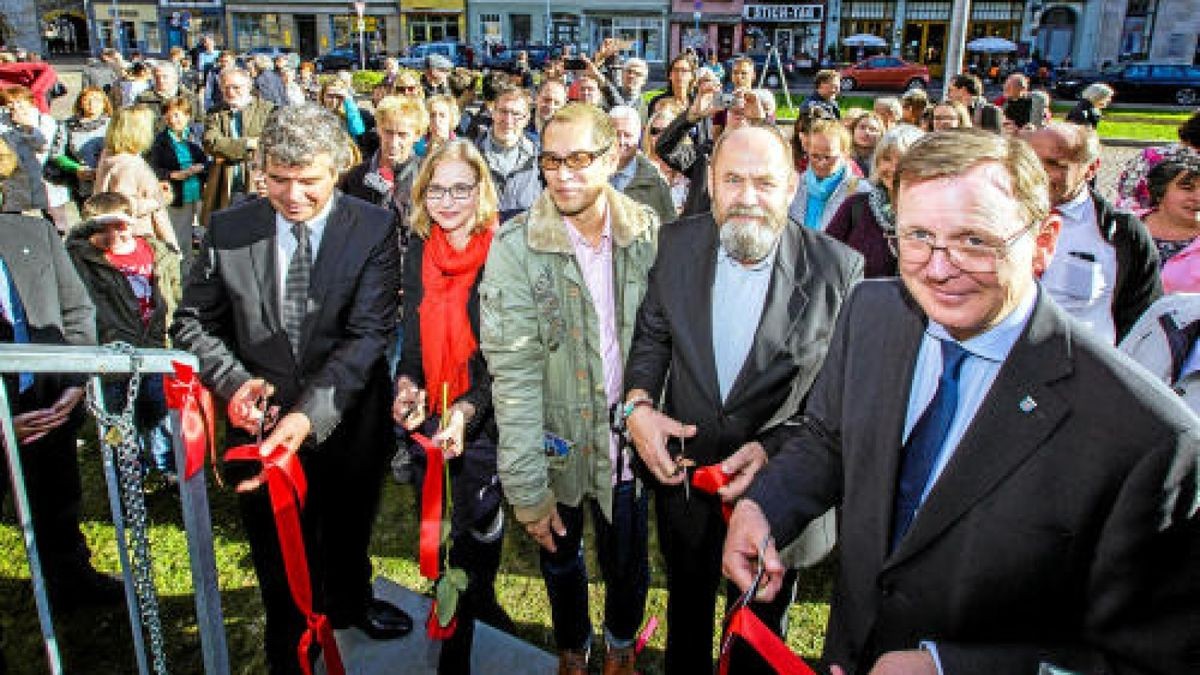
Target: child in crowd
134, 283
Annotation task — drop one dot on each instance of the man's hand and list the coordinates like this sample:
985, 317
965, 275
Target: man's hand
742, 465
748, 529
244, 411
707, 89
543, 530
752, 106
32, 426
289, 434
910, 662
649, 430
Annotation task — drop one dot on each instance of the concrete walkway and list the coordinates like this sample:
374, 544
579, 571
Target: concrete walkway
495, 653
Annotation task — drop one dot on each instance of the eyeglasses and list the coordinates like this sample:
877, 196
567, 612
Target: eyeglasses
410, 89
459, 192
509, 112
678, 69
580, 159
654, 131
971, 253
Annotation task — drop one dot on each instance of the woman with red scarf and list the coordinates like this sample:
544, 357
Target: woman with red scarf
443, 388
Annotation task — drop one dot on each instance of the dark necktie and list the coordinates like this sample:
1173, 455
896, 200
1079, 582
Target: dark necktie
16, 331
926, 441
295, 290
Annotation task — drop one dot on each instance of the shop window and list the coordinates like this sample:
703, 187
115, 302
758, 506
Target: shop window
868, 10
566, 29
522, 31
256, 30
491, 29
345, 31
152, 40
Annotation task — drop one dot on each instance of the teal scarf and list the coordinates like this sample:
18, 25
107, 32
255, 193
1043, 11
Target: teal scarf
190, 192
819, 190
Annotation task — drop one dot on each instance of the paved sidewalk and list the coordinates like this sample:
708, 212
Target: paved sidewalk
495, 652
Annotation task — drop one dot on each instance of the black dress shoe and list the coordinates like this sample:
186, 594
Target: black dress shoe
381, 620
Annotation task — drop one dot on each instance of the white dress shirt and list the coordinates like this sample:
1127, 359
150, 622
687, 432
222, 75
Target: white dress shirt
1082, 276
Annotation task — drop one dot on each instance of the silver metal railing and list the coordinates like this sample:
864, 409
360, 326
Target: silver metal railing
95, 362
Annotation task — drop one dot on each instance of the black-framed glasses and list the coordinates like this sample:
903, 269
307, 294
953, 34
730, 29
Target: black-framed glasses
459, 192
580, 159
655, 131
970, 253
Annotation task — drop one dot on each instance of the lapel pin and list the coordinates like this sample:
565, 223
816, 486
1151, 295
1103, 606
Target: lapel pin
1027, 404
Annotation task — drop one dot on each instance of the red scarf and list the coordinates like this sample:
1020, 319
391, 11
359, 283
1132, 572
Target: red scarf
447, 341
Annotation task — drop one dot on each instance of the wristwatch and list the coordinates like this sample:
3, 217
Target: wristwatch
618, 414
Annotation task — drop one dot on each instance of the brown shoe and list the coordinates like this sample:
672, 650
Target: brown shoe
572, 662
620, 661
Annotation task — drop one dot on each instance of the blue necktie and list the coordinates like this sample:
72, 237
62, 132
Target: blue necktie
926, 441
20, 326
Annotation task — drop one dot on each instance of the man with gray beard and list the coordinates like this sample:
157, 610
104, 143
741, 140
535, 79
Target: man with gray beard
737, 316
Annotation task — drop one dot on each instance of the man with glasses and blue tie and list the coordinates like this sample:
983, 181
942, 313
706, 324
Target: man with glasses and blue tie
1013, 494
559, 297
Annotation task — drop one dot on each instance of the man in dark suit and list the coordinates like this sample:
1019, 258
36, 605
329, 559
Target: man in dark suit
294, 299
1012, 492
42, 301
737, 311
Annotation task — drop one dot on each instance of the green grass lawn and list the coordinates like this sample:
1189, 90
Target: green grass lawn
99, 641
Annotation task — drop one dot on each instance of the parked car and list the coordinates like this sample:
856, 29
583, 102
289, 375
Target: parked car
273, 52
538, 56
417, 55
345, 57
1147, 82
885, 72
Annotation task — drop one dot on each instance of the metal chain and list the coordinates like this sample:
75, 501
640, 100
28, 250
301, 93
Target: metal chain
120, 436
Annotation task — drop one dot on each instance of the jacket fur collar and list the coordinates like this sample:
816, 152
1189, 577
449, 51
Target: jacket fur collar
547, 232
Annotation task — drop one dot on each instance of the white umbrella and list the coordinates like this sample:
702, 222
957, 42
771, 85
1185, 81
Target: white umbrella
991, 45
864, 40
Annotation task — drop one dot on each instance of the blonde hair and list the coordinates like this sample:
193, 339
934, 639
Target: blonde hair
942, 154
130, 131
448, 101
604, 134
462, 151
400, 109
8, 160
835, 130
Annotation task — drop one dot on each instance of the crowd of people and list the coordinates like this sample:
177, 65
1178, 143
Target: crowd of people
895, 332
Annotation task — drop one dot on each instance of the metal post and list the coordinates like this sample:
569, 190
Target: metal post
116, 28
956, 42
16, 475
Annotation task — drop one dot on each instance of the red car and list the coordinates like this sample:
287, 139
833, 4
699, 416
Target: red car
885, 72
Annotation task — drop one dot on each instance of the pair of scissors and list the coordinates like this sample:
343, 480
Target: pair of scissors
266, 417
683, 464
760, 573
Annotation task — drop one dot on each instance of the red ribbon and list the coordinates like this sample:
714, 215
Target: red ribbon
774, 651
710, 479
195, 405
288, 488
435, 630
431, 509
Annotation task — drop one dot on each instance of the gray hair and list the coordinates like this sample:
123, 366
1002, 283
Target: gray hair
1096, 92
230, 73
263, 62
889, 103
897, 140
635, 61
625, 112
295, 135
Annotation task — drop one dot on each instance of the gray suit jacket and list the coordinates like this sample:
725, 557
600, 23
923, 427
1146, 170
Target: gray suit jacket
57, 306
1062, 529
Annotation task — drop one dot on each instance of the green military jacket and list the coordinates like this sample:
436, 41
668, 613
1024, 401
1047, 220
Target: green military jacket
539, 332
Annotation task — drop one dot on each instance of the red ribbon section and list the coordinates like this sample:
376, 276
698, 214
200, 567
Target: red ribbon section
710, 479
431, 509
288, 488
774, 651
434, 630
195, 405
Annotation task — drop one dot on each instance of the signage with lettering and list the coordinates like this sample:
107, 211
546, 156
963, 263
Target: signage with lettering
784, 13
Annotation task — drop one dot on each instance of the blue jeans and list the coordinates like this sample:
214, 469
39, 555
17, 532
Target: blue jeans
149, 415
621, 548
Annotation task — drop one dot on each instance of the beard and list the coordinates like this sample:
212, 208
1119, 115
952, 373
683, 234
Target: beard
748, 233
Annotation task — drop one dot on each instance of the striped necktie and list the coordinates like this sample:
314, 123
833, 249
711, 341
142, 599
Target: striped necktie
295, 289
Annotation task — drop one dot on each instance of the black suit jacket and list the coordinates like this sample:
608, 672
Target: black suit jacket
58, 309
230, 314
673, 336
1062, 529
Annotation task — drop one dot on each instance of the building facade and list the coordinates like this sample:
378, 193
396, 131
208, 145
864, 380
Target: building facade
639, 26
311, 27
